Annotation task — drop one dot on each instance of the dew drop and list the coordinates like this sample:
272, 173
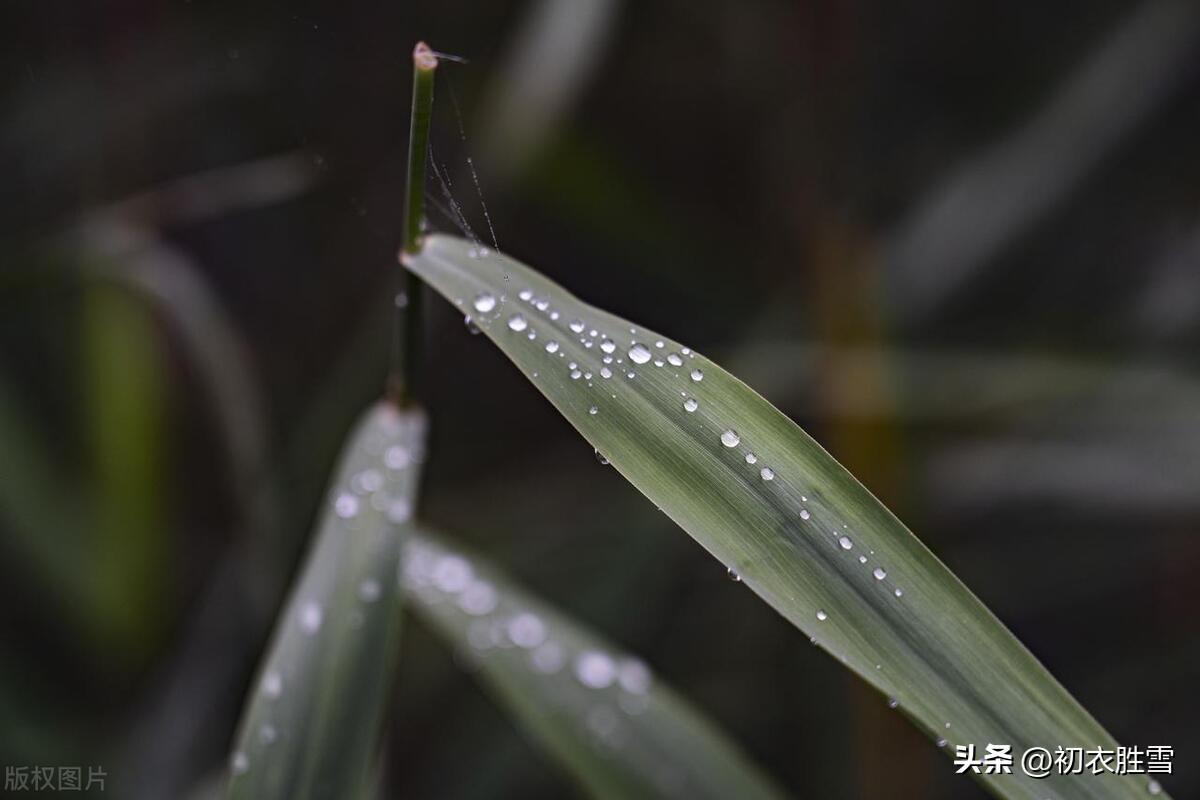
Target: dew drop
899, 593
472, 328
239, 764
862, 559
525, 295
576, 374
630, 374
310, 618
452, 574
368, 481
751, 458
690, 404
397, 457
478, 599
674, 360
845, 542
593, 411
608, 346
730, 438
733, 576
941, 742
1153, 787
542, 305
893, 702
821, 615
272, 685
527, 630
517, 322
600, 457
551, 346
804, 514
879, 573
697, 375
399, 511
369, 590
484, 303
634, 676
639, 354
605, 372
767, 474
346, 505
577, 325
595, 670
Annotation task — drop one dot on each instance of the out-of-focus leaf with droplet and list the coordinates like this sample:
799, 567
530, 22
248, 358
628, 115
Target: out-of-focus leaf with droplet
759, 494
617, 729
311, 722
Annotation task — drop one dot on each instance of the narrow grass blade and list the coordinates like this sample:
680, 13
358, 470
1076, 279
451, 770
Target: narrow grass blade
126, 422
312, 719
617, 729
757, 492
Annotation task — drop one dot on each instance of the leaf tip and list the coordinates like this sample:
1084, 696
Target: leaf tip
424, 57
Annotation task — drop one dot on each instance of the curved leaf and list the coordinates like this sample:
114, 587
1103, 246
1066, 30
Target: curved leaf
759, 494
601, 713
311, 723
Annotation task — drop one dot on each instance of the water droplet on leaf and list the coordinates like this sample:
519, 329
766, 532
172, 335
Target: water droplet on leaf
595, 670
310, 618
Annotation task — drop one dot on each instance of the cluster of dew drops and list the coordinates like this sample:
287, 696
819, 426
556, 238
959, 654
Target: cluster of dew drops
626, 359
616, 360
372, 486
497, 623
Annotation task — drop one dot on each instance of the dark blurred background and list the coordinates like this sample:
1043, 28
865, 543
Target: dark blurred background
958, 242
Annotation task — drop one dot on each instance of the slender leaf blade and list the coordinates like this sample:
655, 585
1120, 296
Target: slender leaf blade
763, 497
616, 728
311, 722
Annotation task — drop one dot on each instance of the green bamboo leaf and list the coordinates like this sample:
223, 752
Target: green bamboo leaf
760, 495
615, 727
311, 722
